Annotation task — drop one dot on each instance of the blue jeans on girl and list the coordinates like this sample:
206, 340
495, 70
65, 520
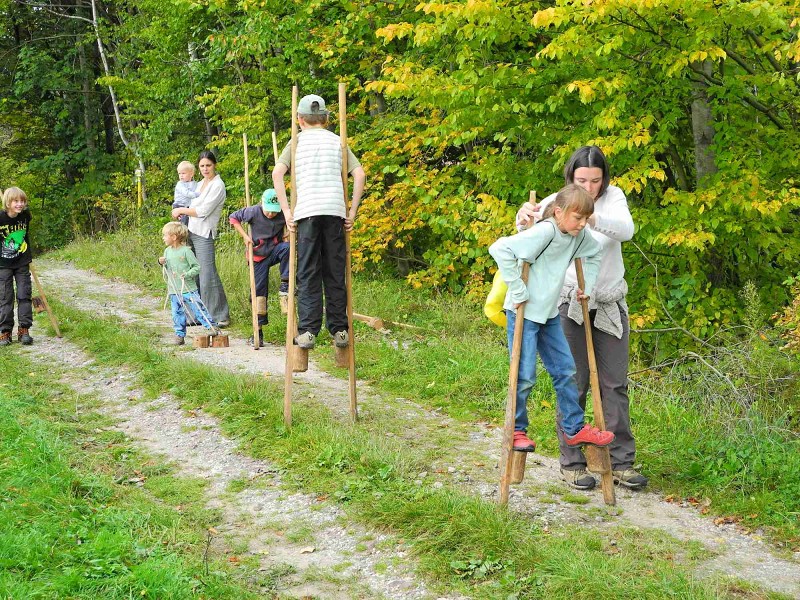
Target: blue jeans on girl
548, 339
192, 300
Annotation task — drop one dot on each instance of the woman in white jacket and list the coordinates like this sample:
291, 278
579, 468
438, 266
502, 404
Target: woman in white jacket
610, 225
204, 215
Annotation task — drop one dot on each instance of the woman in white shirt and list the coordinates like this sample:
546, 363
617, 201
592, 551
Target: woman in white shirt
610, 225
204, 215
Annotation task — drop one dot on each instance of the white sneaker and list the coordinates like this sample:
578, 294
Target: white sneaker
341, 339
305, 340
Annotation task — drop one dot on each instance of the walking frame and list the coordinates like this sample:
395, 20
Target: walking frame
250, 260
46, 304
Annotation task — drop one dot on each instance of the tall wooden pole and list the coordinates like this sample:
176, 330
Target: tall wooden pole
275, 147
291, 317
507, 451
250, 261
351, 349
598, 459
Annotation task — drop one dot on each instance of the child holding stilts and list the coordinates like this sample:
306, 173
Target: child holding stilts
320, 222
550, 247
181, 269
266, 237
15, 260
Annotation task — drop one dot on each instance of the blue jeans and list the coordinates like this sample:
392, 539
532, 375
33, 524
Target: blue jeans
192, 300
279, 255
548, 339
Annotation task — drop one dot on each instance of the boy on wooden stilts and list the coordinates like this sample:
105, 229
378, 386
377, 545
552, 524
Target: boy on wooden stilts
320, 221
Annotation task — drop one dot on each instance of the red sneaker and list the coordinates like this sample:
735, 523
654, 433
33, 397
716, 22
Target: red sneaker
522, 443
590, 435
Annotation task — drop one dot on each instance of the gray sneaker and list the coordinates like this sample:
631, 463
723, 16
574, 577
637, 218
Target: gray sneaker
341, 339
630, 478
305, 340
579, 479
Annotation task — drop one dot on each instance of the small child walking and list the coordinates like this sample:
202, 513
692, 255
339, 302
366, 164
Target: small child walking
320, 222
185, 189
15, 261
550, 246
181, 269
266, 236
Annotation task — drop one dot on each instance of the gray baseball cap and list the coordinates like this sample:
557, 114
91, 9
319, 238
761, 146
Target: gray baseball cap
311, 105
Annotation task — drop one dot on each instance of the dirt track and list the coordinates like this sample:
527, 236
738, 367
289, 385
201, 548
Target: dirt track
471, 467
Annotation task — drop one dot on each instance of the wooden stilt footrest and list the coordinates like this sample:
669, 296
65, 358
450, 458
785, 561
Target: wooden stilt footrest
200, 341
518, 460
261, 305
299, 359
284, 304
342, 357
598, 460
219, 341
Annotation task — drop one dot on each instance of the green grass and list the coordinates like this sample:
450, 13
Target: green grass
70, 527
372, 478
688, 447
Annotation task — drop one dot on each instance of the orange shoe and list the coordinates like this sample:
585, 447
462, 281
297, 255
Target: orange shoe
522, 443
590, 435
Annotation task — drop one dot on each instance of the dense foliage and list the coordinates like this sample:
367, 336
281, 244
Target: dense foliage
457, 110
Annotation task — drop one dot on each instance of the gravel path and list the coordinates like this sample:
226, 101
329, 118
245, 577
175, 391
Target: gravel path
473, 466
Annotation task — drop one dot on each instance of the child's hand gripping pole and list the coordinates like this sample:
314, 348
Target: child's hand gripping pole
507, 450
598, 459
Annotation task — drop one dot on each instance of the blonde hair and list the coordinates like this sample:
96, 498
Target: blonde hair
571, 197
177, 229
11, 194
185, 165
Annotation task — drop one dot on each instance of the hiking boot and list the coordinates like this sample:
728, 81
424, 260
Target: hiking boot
260, 339
177, 340
589, 435
283, 290
5, 338
23, 336
341, 339
579, 479
630, 479
305, 340
522, 443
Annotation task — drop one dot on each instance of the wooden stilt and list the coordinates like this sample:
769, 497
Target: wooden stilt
251, 266
507, 451
284, 300
518, 460
291, 317
598, 459
49, 310
348, 269
341, 357
299, 359
506, 457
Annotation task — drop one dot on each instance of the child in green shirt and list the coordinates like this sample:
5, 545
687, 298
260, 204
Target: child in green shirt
181, 269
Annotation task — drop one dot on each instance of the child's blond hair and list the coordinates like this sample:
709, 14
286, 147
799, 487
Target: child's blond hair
179, 230
185, 165
11, 194
571, 197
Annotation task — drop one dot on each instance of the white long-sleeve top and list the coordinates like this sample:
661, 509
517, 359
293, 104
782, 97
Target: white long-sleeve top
613, 225
209, 208
550, 252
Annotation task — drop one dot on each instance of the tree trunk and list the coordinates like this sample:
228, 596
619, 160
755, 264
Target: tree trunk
88, 126
703, 128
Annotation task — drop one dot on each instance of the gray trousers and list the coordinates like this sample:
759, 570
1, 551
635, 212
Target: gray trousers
612, 371
211, 291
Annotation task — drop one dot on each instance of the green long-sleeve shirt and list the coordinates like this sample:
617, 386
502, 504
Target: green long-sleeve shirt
182, 269
550, 251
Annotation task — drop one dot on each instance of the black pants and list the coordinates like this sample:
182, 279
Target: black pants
22, 277
321, 258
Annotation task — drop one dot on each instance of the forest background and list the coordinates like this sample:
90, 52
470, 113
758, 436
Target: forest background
456, 109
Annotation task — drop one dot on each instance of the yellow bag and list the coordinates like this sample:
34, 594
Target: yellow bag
493, 308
